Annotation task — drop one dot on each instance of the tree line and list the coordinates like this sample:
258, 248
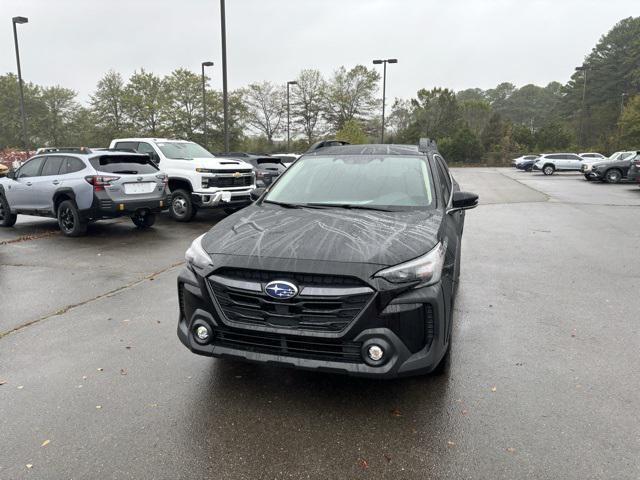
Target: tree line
470, 125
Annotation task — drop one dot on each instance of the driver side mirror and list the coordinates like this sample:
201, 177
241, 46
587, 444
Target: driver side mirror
256, 193
463, 201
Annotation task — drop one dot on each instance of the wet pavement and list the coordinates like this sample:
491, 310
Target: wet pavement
544, 380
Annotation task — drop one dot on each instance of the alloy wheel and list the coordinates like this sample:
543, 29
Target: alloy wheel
67, 220
180, 206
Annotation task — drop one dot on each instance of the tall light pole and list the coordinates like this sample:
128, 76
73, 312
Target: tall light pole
225, 97
15, 21
384, 88
204, 101
622, 104
582, 69
289, 83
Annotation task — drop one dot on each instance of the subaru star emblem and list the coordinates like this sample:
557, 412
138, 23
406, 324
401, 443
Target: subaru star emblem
281, 290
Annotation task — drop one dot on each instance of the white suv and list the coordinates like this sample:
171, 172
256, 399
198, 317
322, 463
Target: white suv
197, 178
565, 162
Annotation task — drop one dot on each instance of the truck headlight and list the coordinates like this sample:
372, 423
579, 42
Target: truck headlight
196, 256
426, 269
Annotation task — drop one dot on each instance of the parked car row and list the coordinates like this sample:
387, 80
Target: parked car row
594, 166
135, 177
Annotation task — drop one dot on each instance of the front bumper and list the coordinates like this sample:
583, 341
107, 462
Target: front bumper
388, 319
222, 198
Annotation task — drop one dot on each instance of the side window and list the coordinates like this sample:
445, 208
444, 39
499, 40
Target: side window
52, 166
71, 165
144, 147
31, 168
554, 157
445, 179
127, 145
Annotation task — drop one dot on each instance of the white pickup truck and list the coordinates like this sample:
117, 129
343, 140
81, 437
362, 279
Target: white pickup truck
197, 178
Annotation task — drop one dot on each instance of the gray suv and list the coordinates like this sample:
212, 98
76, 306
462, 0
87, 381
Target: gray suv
78, 186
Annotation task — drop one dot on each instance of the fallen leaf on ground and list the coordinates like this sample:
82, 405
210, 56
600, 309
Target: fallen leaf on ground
450, 443
45, 443
128, 347
2, 382
387, 457
20, 387
101, 369
362, 463
396, 413
29, 465
84, 377
493, 389
464, 412
123, 371
511, 450
98, 407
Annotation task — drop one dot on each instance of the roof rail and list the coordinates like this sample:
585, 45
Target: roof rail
63, 150
326, 143
427, 145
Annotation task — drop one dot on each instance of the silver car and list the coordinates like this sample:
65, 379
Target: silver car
78, 186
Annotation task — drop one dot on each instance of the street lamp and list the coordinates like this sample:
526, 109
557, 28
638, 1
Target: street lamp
204, 101
15, 21
622, 104
384, 85
582, 69
225, 97
289, 83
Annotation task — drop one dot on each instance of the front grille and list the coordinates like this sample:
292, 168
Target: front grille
227, 182
286, 345
321, 312
307, 279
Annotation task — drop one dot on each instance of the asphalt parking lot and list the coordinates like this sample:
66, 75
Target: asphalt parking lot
544, 380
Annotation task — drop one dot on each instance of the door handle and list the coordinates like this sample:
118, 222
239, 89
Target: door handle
28, 184
56, 182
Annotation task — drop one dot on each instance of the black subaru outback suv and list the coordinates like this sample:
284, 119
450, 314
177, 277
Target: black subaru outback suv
348, 263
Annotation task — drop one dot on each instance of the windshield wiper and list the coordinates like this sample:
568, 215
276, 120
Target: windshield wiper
348, 206
283, 204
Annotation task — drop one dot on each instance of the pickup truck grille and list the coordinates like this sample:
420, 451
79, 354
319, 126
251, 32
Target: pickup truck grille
325, 305
227, 182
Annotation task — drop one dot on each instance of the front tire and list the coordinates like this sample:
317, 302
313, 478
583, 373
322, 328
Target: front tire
613, 176
548, 170
182, 208
145, 220
7, 219
69, 220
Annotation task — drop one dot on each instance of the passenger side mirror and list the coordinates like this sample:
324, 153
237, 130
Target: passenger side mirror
463, 201
256, 193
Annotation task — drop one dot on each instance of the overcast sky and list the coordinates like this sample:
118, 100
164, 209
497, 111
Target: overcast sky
454, 43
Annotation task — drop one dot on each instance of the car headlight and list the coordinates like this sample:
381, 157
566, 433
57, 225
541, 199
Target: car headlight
205, 170
196, 256
426, 269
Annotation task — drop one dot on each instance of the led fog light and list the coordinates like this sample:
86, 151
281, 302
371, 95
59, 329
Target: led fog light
375, 353
202, 334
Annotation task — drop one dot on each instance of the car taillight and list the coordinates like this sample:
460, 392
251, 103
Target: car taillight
100, 181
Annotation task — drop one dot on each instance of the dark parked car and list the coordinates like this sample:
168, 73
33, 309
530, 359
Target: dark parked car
612, 171
633, 175
348, 263
527, 162
267, 168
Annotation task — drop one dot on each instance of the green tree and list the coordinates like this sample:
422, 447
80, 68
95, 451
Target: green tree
144, 102
10, 121
106, 103
350, 95
435, 113
493, 133
352, 132
552, 136
463, 146
630, 123
307, 103
475, 114
183, 106
60, 106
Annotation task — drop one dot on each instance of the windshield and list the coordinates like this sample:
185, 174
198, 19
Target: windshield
183, 150
390, 182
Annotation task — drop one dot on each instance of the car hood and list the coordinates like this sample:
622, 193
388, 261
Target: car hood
338, 235
219, 163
